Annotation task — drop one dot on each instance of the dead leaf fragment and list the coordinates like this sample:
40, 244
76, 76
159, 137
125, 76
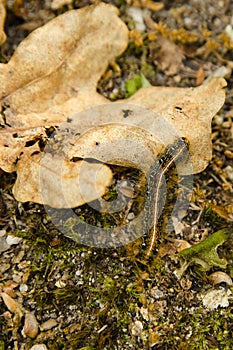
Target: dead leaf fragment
220, 277
170, 56
58, 182
13, 306
75, 49
189, 111
57, 4
154, 6
45, 86
2, 22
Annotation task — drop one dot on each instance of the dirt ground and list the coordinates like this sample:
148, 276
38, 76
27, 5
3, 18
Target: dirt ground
94, 299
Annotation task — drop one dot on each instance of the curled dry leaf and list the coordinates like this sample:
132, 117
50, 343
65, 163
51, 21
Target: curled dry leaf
2, 21
45, 86
220, 277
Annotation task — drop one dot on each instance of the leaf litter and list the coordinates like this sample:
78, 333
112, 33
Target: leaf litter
157, 334
62, 74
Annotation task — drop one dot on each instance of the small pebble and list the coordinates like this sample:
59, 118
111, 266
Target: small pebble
30, 328
39, 347
188, 22
215, 298
137, 328
23, 288
137, 15
3, 245
13, 240
156, 293
49, 324
229, 172
130, 216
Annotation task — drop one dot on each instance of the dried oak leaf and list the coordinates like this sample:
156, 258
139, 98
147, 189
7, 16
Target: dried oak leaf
63, 184
190, 112
43, 87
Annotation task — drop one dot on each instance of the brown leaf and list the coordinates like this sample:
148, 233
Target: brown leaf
57, 4
189, 111
169, 57
225, 212
154, 6
220, 277
2, 21
44, 87
64, 63
200, 76
108, 135
59, 182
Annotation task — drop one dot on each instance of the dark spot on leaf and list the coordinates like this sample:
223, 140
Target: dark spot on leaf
49, 131
126, 113
75, 159
34, 153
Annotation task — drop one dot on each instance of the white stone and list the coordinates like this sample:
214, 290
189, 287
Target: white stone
137, 15
39, 347
215, 298
23, 288
13, 240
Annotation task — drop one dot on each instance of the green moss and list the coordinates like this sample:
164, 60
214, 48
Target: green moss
2, 345
136, 83
205, 252
209, 216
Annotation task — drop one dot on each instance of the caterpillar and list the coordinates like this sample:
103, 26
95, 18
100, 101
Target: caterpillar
156, 176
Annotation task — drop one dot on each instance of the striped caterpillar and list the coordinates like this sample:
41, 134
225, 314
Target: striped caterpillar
156, 176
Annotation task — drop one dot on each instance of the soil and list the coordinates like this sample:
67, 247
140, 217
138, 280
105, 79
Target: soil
96, 299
